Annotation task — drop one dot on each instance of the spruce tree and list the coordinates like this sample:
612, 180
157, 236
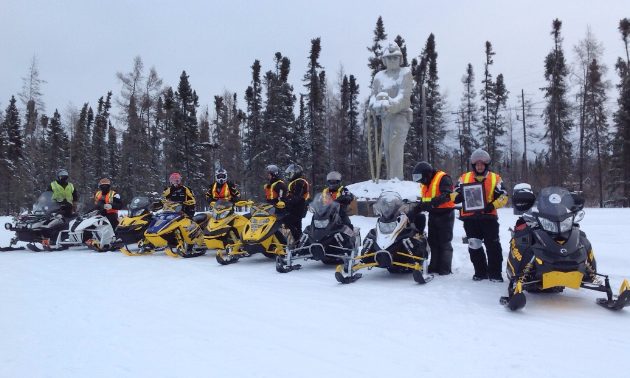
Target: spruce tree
11, 144
487, 93
374, 62
556, 115
468, 116
253, 123
56, 145
620, 181
80, 147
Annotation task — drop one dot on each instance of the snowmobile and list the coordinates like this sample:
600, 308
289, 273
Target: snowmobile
131, 228
91, 229
42, 225
263, 233
226, 226
326, 239
549, 252
177, 233
395, 244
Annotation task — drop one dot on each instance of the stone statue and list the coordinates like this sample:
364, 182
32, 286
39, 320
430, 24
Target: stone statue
391, 100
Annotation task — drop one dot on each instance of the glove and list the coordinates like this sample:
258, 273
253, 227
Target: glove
489, 208
107, 206
425, 206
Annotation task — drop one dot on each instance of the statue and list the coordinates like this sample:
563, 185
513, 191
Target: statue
391, 101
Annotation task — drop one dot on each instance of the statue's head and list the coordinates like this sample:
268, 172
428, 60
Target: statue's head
392, 55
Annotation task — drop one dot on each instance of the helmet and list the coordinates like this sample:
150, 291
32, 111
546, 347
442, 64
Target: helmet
273, 171
391, 50
175, 179
480, 156
422, 172
104, 184
221, 176
294, 171
62, 175
334, 180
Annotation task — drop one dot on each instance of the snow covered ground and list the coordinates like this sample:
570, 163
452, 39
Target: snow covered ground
78, 313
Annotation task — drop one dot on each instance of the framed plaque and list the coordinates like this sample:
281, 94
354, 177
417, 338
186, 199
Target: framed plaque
474, 197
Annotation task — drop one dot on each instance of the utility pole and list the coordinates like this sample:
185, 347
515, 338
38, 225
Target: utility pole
524, 164
425, 144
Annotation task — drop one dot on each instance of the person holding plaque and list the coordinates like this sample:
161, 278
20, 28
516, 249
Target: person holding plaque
481, 193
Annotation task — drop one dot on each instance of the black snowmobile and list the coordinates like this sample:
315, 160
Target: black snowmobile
42, 225
326, 239
549, 252
395, 244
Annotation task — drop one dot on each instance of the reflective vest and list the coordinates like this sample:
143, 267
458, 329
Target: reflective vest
489, 183
109, 198
428, 192
305, 195
224, 193
269, 192
334, 194
60, 193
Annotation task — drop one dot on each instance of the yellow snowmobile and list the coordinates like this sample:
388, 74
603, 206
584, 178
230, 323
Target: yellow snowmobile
177, 233
225, 226
263, 233
132, 227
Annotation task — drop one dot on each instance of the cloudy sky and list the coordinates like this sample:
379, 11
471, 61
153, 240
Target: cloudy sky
81, 44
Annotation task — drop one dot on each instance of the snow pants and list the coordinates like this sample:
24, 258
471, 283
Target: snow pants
488, 231
440, 238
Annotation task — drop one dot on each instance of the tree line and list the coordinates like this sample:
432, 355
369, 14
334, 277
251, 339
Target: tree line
148, 130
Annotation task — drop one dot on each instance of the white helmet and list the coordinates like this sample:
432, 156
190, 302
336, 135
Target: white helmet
334, 180
220, 175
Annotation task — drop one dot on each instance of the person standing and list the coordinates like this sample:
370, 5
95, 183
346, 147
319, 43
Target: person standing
436, 189
296, 200
483, 226
64, 193
109, 200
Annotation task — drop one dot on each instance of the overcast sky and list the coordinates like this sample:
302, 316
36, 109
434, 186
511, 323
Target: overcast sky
81, 44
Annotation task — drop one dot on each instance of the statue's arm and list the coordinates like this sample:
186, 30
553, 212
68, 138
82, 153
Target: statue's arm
403, 100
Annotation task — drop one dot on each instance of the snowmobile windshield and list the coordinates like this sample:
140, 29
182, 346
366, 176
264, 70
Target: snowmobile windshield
139, 205
388, 206
222, 204
45, 204
323, 206
554, 203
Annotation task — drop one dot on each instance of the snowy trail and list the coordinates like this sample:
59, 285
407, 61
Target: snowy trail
78, 313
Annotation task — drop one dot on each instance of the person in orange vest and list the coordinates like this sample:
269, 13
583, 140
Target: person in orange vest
436, 189
339, 194
109, 201
276, 190
298, 194
222, 188
483, 226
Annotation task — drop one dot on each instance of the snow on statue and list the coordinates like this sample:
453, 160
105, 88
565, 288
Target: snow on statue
391, 100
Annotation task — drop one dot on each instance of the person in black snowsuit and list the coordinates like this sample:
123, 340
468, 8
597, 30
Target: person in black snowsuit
177, 192
441, 215
296, 200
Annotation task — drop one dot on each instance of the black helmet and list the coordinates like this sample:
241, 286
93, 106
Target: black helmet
273, 171
294, 171
480, 156
220, 175
334, 180
422, 173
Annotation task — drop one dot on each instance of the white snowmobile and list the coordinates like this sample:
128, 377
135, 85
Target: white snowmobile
91, 229
395, 244
42, 225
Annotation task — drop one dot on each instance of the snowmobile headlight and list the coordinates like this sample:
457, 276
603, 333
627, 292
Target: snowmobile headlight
321, 223
566, 225
387, 228
7, 226
137, 213
548, 225
222, 215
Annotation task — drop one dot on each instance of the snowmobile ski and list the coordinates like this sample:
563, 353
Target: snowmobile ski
282, 268
623, 299
516, 302
8, 249
421, 279
33, 247
231, 259
346, 279
141, 252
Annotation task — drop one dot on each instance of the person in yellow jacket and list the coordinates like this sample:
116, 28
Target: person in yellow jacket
178, 192
436, 189
64, 193
483, 226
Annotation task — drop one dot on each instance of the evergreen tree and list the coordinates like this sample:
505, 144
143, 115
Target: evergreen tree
315, 80
113, 157
529, 135
556, 115
254, 163
56, 145
11, 158
374, 62
620, 181
487, 99
403, 49
98, 149
81, 157
468, 115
